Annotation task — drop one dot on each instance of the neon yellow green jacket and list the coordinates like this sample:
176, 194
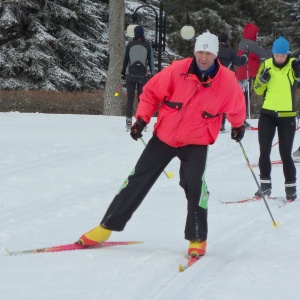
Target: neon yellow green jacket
280, 92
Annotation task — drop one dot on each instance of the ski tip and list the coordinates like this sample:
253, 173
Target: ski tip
136, 242
6, 251
223, 202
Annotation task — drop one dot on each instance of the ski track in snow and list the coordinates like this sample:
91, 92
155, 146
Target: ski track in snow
58, 174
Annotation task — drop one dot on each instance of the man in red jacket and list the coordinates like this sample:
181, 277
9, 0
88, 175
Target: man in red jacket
190, 96
247, 72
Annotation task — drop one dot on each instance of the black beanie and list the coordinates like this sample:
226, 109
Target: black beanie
138, 31
223, 37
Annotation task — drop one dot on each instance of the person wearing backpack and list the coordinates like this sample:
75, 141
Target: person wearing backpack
138, 54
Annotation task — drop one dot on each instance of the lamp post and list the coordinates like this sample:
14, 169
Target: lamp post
187, 31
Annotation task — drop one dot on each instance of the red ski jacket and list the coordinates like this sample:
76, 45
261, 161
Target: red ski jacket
256, 53
190, 112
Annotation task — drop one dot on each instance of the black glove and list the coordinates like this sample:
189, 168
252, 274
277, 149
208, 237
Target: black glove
265, 76
237, 133
296, 67
137, 128
246, 51
246, 58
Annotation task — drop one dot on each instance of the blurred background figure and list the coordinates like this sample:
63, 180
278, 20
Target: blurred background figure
138, 55
246, 73
229, 58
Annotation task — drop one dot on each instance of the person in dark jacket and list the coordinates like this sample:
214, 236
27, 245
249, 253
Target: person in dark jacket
229, 58
246, 73
138, 54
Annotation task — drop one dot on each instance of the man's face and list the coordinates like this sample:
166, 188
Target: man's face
204, 59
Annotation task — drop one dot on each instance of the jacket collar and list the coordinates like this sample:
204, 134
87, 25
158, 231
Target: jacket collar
193, 69
280, 66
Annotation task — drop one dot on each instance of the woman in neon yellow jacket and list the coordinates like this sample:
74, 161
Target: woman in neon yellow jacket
277, 81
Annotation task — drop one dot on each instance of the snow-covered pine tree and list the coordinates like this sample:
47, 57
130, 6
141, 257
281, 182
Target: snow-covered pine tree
63, 44
53, 44
289, 23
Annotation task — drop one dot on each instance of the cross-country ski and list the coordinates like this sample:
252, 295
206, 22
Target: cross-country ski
70, 247
251, 199
277, 162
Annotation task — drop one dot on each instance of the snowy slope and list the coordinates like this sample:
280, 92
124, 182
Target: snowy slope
58, 174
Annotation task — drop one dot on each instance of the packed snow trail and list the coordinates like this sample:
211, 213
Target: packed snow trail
58, 174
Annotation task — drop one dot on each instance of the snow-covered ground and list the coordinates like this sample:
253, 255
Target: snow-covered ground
58, 174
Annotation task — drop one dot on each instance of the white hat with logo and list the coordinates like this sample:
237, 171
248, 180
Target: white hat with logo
207, 42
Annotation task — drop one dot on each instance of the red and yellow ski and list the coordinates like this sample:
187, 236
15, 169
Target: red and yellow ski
70, 247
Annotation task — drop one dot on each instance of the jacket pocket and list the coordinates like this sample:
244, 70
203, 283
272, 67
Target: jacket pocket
174, 105
206, 115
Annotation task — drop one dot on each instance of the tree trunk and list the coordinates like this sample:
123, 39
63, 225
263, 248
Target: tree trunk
113, 104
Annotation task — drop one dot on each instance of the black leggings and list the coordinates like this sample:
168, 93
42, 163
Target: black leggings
133, 83
286, 127
150, 165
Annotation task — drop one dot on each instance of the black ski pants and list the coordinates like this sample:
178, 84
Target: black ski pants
150, 165
286, 127
133, 83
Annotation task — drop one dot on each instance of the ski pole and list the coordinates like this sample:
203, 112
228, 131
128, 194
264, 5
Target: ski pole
116, 93
168, 174
248, 93
275, 224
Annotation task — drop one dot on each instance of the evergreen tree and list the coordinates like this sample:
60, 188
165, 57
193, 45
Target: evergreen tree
289, 23
53, 45
63, 44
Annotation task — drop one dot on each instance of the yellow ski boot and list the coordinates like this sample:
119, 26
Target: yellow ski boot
95, 236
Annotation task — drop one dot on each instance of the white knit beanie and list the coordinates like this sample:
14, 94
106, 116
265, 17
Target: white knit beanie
207, 42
